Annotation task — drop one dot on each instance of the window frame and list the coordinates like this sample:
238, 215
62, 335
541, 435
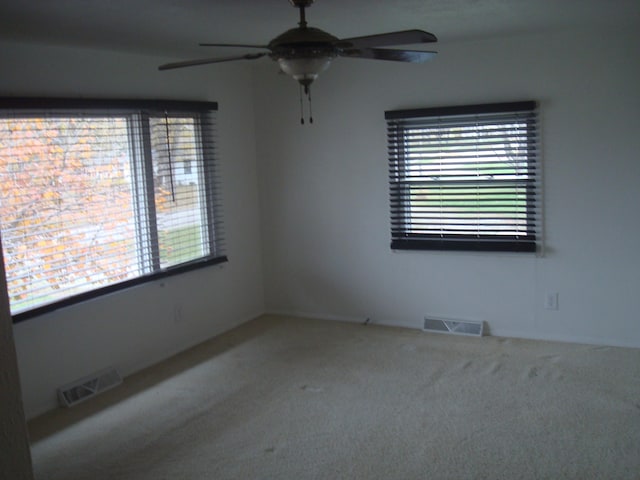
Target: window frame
199, 110
402, 238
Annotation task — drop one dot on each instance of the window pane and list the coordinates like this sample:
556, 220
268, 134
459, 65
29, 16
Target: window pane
100, 195
67, 211
464, 178
179, 189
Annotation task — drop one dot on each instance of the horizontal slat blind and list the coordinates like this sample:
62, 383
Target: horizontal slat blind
183, 189
465, 178
94, 197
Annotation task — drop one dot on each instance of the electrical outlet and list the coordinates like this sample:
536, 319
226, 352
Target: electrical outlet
551, 301
177, 313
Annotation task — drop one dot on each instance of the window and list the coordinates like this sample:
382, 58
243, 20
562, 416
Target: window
102, 195
464, 178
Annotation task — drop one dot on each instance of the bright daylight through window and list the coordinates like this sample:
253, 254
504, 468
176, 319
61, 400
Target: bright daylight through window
465, 178
101, 195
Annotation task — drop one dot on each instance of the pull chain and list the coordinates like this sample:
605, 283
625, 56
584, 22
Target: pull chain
166, 124
307, 92
301, 107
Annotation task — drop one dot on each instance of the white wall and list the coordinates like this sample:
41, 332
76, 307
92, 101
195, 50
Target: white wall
136, 328
15, 457
324, 191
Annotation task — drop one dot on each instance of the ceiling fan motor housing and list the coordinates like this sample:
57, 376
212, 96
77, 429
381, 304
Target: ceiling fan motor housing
301, 3
304, 52
303, 42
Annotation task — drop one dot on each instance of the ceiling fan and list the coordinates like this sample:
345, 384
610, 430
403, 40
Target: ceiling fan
304, 52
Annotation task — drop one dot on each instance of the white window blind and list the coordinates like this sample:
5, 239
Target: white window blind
100, 195
465, 178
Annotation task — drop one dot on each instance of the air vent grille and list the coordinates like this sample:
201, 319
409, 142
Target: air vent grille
89, 386
457, 327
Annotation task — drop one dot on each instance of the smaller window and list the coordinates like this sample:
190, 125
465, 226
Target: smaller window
464, 178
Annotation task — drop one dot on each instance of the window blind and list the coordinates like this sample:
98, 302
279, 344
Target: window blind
101, 195
465, 178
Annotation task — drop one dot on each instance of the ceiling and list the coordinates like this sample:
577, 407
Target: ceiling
173, 28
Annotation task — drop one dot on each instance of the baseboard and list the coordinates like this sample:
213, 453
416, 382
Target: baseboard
344, 318
495, 332
316, 316
583, 340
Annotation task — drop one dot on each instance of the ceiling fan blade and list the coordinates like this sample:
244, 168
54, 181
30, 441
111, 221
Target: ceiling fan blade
412, 56
206, 61
405, 37
231, 45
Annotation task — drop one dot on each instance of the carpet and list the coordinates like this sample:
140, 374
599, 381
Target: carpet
292, 398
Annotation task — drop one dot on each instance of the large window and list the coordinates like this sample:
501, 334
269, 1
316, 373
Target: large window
101, 195
464, 178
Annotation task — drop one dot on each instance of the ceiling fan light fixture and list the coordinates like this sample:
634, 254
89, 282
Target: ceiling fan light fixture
304, 69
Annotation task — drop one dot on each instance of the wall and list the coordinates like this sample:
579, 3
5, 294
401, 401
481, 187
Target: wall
15, 457
324, 191
137, 327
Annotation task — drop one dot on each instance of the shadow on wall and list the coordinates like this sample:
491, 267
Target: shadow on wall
317, 293
54, 421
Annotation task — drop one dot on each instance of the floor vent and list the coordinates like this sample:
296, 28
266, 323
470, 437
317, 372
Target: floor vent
87, 387
458, 327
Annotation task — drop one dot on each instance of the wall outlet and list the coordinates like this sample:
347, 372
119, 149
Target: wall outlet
551, 301
177, 313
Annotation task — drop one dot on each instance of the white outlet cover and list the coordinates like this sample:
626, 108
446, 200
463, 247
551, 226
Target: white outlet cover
551, 301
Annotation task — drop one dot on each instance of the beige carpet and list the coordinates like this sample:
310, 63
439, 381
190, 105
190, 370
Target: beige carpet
285, 398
